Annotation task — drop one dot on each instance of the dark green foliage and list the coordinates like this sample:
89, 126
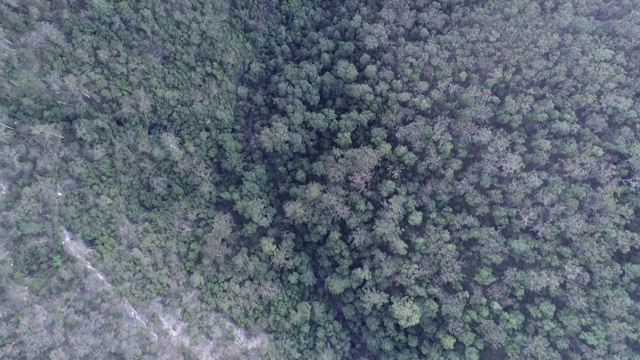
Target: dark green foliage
397, 179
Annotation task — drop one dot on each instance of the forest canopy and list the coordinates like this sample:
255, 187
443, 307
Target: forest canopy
346, 179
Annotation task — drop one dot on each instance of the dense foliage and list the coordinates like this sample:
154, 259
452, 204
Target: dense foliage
360, 180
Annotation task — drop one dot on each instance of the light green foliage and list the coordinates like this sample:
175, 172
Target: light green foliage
257, 211
415, 218
430, 308
337, 285
447, 341
372, 298
484, 276
406, 312
275, 138
345, 71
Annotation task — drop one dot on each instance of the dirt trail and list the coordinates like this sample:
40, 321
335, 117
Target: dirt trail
78, 250
169, 326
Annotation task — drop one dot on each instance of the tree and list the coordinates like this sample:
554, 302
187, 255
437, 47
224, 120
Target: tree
405, 311
345, 71
275, 138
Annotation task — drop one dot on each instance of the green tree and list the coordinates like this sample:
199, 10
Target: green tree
406, 312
